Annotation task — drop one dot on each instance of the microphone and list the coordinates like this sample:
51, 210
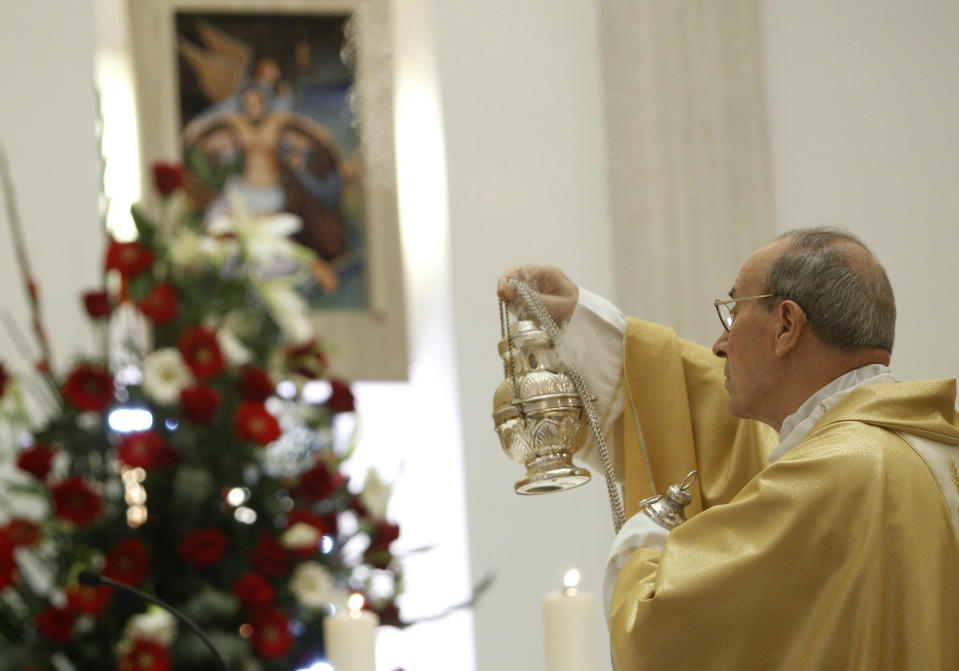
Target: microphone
92, 579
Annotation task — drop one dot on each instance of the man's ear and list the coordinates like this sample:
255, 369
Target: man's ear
792, 321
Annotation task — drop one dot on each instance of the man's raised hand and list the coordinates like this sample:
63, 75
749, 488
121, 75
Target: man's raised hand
558, 293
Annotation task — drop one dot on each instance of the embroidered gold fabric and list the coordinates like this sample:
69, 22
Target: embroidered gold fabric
840, 555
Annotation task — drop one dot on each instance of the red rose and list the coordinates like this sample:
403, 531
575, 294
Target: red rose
4, 380
254, 422
160, 305
89, 387
168, 177
8, 567
74, 500
269, 557
19, 532
382, 536
36, 460
318, 483
130, 258
88, 600
127, 562
203, 548
145, 654
341, 399
307, 359
56, 624
201, 352
97, 304
271, 637
200, 402
255, 384
141, 448
253, 590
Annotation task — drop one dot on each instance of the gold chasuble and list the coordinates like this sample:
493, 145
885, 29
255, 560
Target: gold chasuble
839, 555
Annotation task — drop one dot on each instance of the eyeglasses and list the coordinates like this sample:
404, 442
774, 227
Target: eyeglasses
722, 308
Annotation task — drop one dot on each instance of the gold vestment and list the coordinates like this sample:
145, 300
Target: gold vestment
839, 555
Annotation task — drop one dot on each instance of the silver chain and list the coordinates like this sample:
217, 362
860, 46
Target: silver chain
546, 322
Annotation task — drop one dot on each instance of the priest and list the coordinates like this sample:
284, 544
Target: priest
824, 527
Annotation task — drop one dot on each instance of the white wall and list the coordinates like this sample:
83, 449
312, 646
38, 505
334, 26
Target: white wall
863, 102
47, 126
523, 122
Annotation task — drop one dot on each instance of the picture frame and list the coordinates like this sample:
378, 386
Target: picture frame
197, 63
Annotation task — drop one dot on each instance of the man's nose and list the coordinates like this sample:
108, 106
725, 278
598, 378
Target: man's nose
719, 347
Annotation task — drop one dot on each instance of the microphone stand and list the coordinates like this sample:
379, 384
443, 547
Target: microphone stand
91, 579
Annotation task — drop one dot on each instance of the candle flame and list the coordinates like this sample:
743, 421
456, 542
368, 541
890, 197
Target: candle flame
355, 603
571, 579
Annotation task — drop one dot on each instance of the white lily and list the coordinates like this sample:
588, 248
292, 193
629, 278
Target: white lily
375, 494
233, 349
264, 239
287, 307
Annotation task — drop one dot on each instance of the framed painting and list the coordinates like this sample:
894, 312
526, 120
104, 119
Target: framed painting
287, 106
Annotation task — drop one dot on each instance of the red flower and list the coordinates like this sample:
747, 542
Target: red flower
203, 548
201, 352
146, 654
74, 500
254, 422
341, 400
130, 258
89, 387
160, 305
97, 304
307, 359
19, 532
200, 402
56, 624
253, 590
86, 599
318, 483
36, 460
255, 384
269, 557
141, 448
168, 177
127, 562
271, 637
8, 567
382, 536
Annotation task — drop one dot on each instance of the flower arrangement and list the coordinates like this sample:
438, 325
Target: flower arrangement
198, 456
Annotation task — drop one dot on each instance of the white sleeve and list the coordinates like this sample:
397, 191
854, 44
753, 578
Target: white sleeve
593, 339
639, 532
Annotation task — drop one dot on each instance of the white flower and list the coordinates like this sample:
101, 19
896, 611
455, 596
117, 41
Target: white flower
189, 250
265, 239
234, 350
375, 494
287, 307
313, 586
300, 536
165, 375
155, 624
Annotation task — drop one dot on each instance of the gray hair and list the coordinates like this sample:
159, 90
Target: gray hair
839, 284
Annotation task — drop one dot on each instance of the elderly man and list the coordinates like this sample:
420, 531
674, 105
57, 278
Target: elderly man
836, 547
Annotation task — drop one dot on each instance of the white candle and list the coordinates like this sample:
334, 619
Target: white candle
349, 637
569, 627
